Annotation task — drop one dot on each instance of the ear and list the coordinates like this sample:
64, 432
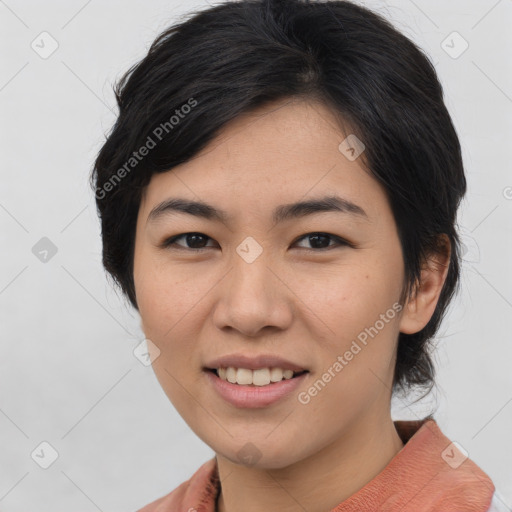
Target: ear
418, 309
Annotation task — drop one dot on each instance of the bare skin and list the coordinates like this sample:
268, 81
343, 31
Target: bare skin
304, 302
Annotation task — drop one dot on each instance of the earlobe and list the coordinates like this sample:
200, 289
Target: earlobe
419, 308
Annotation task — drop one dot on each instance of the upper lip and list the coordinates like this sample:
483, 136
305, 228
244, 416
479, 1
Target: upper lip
253, 363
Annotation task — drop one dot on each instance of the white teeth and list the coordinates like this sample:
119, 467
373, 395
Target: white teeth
243, 376
276, 374
260, 377
231, 375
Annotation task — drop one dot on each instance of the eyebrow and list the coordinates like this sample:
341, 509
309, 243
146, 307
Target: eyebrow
280, 214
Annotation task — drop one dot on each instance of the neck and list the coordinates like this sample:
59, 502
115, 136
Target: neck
318, 483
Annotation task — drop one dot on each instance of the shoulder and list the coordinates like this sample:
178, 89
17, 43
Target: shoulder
169, 501
199, 490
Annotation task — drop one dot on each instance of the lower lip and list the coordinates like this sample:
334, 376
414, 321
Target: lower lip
252, 397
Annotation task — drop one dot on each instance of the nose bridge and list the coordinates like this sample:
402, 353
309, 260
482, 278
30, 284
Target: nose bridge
251, 279
252, 297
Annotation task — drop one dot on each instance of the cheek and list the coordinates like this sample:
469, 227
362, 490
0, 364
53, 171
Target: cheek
352, 295
166, 295
357, 311
166, 306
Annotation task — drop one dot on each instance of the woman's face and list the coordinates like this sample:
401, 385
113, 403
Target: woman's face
250, 285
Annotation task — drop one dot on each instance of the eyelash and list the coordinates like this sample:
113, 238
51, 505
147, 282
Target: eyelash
170, 242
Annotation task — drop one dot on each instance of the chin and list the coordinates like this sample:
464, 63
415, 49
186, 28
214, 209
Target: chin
261, 455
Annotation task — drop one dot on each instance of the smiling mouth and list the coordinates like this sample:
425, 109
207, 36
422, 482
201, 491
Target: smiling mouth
259, 377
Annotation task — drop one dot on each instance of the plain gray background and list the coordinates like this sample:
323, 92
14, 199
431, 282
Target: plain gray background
68, 375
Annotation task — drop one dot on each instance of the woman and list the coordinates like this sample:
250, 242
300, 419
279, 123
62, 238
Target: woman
278, 200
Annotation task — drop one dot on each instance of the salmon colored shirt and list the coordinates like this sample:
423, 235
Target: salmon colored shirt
429, 474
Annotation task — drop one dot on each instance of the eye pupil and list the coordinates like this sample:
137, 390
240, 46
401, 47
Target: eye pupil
315, 238
195, 237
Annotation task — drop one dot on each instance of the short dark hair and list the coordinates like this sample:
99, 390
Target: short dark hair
229, 59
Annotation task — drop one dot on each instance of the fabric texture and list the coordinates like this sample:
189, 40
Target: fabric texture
429, 474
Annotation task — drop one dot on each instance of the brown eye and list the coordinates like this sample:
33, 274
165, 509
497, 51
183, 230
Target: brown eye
193, 241
198, 241
322, 241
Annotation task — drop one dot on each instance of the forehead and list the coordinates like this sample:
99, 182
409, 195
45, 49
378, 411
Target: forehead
281, 153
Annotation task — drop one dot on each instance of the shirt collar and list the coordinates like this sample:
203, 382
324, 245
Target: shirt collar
429, 474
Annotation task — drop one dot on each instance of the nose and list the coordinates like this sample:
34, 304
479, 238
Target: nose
253, 297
